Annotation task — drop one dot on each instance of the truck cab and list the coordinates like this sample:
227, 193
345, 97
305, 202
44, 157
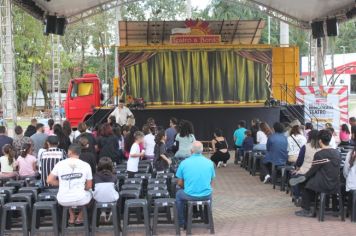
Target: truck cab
83, 96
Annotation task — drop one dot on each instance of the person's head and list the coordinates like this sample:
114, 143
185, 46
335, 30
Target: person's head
34, 122
255, 122
112, 120
309, 126
328, 125
248, 133
352, 121
264, 127
197, 147
242, 124
218, 133
139, 137
125, 130
106, 130
121, 103
67, 128
82, 127
295, 130
332, 130
185, 128
25, 149
2, 129
173, 122
160, 137
57, 129
324, 137
105, 165
278, 127
52, 141
151, 122
74, 151
117, 131
345, 128
9, 151
50, 123
145, 129
83, 142
313, 138
40, 128
18, 130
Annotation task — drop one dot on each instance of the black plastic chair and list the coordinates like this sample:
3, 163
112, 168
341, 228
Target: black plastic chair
207, 216
66, 228
168, 203
322, 203
115, 227
38, 208
6, 221
136, 204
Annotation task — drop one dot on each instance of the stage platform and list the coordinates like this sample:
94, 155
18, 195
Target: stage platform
203, 106
207, 118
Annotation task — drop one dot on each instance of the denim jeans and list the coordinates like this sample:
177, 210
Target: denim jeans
181, 201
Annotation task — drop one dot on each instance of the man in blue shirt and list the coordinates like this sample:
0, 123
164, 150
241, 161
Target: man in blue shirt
195, 175
171, 133
239, 136
277, 152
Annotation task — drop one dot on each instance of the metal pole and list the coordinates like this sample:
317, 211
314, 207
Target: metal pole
189, 9
117, 44
269, 30
310, 57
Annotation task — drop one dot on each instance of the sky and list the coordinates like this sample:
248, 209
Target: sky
201, 4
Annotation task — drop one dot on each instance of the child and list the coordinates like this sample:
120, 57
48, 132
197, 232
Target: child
135, 154
247, 144
7, 162
161, 161
26, 162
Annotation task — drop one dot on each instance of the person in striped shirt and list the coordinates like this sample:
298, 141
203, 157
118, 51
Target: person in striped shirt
50, 157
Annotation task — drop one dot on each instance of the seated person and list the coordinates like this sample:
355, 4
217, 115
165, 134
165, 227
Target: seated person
277, 152
247, 144
74, 178
220, 148
323, 175
350, 171
7, 162
195, 182
26, 163
161, 160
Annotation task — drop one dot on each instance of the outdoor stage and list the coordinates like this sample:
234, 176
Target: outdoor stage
205, 119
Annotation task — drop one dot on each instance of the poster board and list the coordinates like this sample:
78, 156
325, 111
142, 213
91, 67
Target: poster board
324, 104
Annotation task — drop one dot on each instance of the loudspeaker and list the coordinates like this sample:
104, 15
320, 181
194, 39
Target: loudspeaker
61, 25
318, 29
332, 27
50, 24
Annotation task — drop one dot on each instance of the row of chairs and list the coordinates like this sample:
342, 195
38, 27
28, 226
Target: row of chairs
252, 160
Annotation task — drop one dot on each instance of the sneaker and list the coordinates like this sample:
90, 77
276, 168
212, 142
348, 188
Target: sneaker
224, 164
297, 180
103, 216
304, 213
108, 219
267, 179
219, 164
298, 201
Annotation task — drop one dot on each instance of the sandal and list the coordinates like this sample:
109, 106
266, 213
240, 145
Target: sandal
71, 223
78, 222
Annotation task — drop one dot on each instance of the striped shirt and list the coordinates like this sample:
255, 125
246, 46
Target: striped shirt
48, 160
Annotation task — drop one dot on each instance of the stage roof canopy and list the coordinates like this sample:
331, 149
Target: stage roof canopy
302, 11
159, 32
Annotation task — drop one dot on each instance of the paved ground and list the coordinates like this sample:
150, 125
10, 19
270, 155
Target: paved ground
244, 206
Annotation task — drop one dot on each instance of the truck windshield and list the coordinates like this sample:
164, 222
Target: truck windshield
82, 89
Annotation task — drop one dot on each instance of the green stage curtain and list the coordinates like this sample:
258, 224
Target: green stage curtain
197, 77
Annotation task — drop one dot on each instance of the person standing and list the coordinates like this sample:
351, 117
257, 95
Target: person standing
4, 139
31, 129
135, 154
38, 139
171, 133
195, 183
149, 144
121, 113
239, 136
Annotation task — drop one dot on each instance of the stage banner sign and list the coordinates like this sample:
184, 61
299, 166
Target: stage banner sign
324, 104
195, 39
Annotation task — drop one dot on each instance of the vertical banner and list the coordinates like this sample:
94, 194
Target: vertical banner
324, 104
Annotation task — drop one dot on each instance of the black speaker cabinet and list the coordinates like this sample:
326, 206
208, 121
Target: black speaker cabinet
317, 29
332, 27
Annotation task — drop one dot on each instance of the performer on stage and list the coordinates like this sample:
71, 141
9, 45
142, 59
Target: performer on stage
122, 113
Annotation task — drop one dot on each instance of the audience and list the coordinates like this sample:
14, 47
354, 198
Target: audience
26, 163
4, 139
149, 143
161, 160
261, 137
83, 130
49, 158
195, 183
64, 140
323, 176
135, 154
247, 144
38, 139
295, 141
239, 136
7, 162
49, 129
344, 135
86, 155
255, 127
171, 133
31, 129
184, 139
350, 170
129, 140
277, 152
220, 149
74, 179
107, 143
20, 140
308, 127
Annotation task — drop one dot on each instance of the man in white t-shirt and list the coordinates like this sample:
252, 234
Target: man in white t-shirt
149, 144
121, 113
75, 181
135, 154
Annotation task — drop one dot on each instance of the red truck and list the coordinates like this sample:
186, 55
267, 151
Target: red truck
83, 101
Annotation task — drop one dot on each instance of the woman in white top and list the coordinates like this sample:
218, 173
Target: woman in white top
7, 162
149, 143
261, 137
350, 171
296, 141
184, 139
